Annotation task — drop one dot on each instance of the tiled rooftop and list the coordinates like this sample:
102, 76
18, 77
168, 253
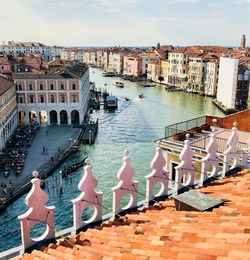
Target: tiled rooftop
161, 232
5, 84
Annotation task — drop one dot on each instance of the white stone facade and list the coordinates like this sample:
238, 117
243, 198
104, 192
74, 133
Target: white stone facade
115, 63
211, 78
227, 83
178, 69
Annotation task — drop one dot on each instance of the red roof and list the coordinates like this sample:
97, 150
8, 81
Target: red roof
161, 232
5, 84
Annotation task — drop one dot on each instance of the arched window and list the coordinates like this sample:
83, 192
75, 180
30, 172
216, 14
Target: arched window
62, 86
73, 86
51, 86
74, 98
30, 86
42, 98
41, 86
52, 99
20, 87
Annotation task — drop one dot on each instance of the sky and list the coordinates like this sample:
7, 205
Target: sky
125, 22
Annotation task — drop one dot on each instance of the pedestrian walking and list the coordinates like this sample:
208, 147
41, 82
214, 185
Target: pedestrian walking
44, 150
47, 132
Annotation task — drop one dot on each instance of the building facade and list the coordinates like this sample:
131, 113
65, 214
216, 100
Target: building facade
211, 78
178, 68
233, 84
8, 109
27, 47
116, 62
132, 65
54, 98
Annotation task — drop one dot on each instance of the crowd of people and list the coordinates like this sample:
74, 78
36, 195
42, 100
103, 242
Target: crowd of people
12, 158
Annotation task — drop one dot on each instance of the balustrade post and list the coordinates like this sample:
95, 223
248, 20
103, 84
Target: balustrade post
158, 175
210, 160
88, 198
37, 213
232, 152
245, 156
185, 167
126, 186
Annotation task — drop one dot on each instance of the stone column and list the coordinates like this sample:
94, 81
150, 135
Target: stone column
1, 140
48, 117
58, 117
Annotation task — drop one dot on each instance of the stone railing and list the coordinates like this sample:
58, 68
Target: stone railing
127, 186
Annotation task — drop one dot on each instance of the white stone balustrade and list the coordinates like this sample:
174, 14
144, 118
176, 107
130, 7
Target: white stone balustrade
210, 161
245, 156
185, 171
126, 186
88, 198
37, 213
158, 175
231, 155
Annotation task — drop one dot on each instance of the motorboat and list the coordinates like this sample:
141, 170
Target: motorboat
104, 73
111, 102
118, 84
141, 95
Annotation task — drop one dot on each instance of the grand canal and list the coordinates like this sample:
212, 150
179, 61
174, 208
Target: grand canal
133, 126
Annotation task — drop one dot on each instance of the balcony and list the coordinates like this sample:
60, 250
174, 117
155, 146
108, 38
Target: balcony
199, 131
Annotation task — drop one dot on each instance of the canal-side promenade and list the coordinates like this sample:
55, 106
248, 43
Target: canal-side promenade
48, 141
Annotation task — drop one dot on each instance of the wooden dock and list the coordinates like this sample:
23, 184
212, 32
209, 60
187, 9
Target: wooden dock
89, 132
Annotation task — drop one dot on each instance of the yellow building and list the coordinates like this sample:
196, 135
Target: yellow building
8, 109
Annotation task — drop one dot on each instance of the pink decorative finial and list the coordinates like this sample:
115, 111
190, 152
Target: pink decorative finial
158, 143
235, 124
88, 198
187, 136
125, 186
87, 161
35, 174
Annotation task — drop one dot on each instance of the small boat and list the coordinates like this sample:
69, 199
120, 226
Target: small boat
73, 167
141, 95
126, 98
107, 73
105, 84
148, 85
118, 84
104, 73
111, 102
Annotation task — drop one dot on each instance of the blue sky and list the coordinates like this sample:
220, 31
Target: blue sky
125, 22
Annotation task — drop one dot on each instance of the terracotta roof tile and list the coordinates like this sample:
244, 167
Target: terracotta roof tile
5, 84
161, 232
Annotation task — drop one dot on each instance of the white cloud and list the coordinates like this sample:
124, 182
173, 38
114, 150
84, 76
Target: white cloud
244, 1
183, 1
114, 22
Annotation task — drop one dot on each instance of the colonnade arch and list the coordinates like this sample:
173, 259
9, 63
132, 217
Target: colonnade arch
50, 116
75, 117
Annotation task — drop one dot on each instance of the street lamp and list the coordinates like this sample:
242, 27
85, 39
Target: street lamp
90, 138
60, 181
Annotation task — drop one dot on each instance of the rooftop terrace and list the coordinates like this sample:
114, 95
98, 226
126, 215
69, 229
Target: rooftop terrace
162, 232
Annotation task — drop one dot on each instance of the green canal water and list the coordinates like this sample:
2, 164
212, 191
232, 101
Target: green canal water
133, 127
